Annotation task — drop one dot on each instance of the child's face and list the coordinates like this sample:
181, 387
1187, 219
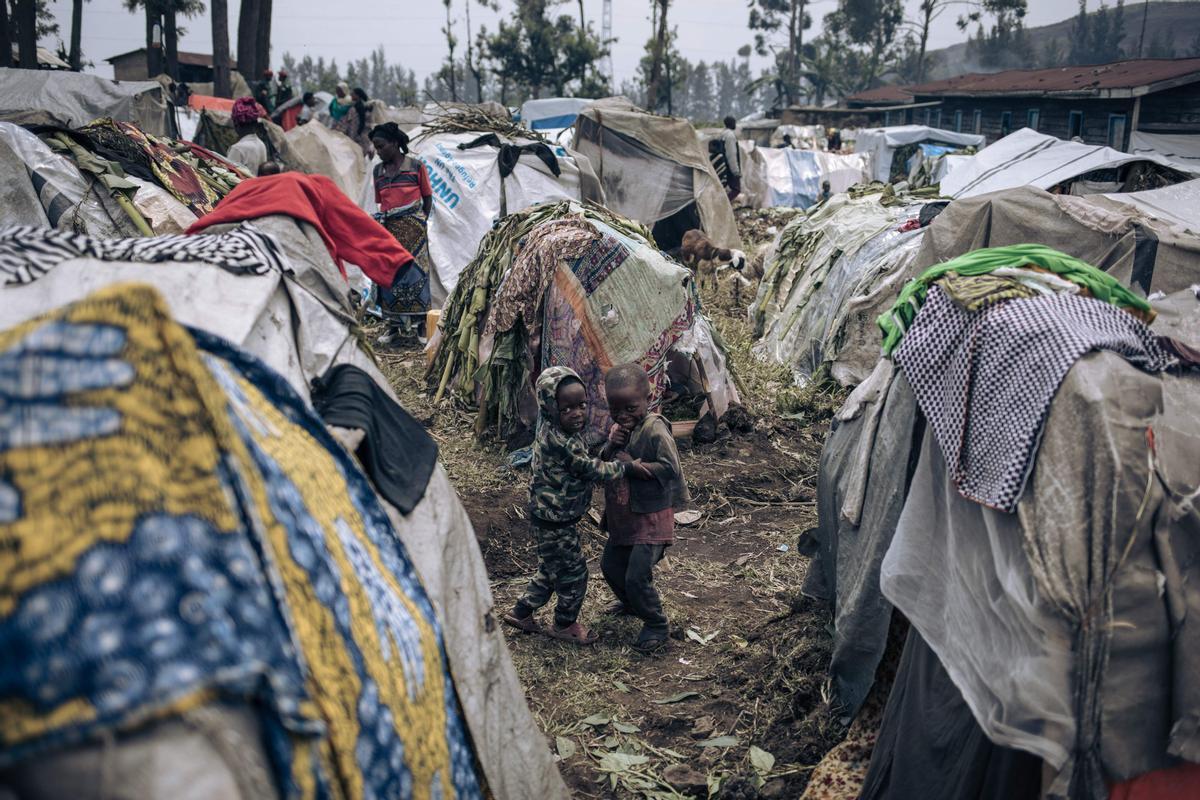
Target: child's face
628, 405
572, 407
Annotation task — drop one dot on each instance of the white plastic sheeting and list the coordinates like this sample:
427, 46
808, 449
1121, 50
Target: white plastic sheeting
1029, 158
552, 113
161, 209
77, 99
1178, 204
1181, 149
469, 196
793, 177
40, 187
881, 143
327, 152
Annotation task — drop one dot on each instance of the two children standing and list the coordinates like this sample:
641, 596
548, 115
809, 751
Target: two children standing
643, 486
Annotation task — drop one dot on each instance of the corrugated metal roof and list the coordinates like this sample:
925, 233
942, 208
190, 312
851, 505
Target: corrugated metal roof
884, 94
1098, 78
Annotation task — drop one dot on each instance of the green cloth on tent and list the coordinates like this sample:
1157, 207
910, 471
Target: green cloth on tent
896, 320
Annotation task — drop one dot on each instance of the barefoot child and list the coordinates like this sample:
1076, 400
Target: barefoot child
559, 495
639, 509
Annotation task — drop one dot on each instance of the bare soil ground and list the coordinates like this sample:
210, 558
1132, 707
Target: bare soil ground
735, 705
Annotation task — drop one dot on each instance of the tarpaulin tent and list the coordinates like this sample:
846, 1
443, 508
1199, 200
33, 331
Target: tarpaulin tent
1065, 631
882, 144
1181, 149
654, 170
552, 113
534, 298
76, 99
479, 178
1029, 158
794, 177
323, 151
824, 269
271, 288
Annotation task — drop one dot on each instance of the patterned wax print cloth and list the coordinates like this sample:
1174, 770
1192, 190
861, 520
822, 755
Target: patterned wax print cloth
169, 168
619, 301
178, 528
896, 320
985, 379
27, 253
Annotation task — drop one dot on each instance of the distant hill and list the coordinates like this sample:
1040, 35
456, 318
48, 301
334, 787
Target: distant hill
1172, 28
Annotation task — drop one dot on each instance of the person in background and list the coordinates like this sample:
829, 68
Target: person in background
733, 158
354, 122
269, 168
341, 103
834, 140
825, 191
264, 92
787, 142
405, 200
284, 92
249, 152
295, 111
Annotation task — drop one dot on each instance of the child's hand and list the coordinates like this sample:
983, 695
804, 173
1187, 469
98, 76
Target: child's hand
618, 436
624, 457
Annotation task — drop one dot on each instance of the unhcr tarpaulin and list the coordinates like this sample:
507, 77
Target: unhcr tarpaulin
552, 113
881, 145
653, 167
470, 194
1029, 158
76, 99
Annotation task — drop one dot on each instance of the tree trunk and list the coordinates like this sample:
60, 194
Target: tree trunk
154, 61
1142, 38
262, 37
927, 8
6, 41
76, 56
247, 57
657, 61
170, 42
789, 82
222, 85
27, 34
582, 18
450, 44
475, 71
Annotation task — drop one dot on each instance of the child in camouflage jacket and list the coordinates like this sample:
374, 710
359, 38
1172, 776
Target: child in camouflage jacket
560, 493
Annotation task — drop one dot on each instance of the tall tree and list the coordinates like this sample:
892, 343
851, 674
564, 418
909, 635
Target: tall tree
6, 41
247, 40
769, 17
449, 69
1096, 37
872, 25
1004, 44
658, 54
537, 51
222, 80
27, 34
76, 56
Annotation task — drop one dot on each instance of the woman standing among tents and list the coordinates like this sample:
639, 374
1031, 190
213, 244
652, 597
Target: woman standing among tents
405, 201
353, 122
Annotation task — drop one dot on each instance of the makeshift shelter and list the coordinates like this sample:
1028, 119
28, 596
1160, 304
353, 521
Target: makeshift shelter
833, 272
1064, 652
824, 269
891, 149
215, 131
483, 167
551, 116
794, 177
272, 293
1029, 158
576, 286
72, 99
327, 152
1181, 149
654, 170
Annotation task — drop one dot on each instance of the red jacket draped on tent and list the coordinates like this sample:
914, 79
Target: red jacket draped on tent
349, 233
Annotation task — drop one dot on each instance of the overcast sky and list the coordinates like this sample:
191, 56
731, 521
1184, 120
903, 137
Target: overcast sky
410, 30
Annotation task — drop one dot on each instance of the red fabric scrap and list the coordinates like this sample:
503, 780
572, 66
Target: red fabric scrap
1181, 782
349, 233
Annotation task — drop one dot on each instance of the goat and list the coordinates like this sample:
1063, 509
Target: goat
706, 260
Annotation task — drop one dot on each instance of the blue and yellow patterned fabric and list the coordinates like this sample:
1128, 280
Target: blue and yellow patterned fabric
177, 527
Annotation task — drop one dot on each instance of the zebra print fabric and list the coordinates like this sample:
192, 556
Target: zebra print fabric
27, 253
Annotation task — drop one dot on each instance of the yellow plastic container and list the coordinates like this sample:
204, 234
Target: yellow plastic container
432, 318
